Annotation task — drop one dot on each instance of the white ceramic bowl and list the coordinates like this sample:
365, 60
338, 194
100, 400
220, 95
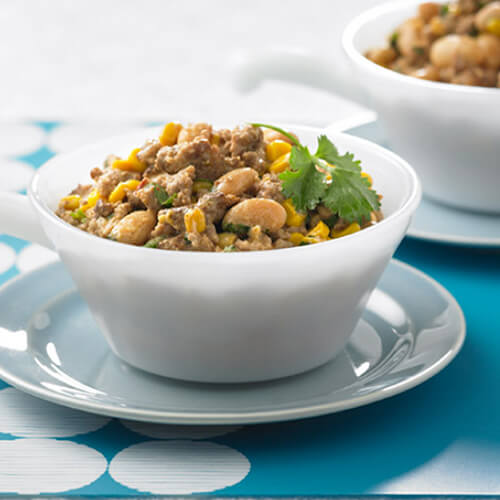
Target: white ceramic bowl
219, 317
451, 133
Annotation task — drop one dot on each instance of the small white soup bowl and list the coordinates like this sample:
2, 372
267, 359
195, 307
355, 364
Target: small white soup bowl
451, 133
219, 317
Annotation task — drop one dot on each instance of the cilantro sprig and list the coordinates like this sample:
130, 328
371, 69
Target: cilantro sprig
162, 196
327, 177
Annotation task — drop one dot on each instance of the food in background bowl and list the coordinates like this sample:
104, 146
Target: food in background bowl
199, 189
457, 42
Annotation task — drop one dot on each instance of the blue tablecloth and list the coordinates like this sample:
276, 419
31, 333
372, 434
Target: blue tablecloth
442, 437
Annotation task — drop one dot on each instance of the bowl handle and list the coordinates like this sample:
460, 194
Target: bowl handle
251, 68
18, 218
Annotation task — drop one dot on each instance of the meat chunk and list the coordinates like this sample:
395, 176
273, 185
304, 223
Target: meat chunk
270, 187
148, 152
199, 153
194, 130
111, 178
215, 204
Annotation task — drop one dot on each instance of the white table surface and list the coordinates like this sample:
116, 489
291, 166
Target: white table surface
128, 59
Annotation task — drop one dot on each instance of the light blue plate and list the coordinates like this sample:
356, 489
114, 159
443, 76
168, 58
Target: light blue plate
50, 347
441, 223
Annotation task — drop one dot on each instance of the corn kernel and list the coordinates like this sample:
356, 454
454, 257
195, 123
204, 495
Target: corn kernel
319, 232
170, 133
437, 26
194, 220
201, 186
281, 164
226, 239
454, 9
350, 229
119, 192
91, 200
297, 238
276, 149
215, 139
131, 164
367, 176
71, 202
293, 218
493, 26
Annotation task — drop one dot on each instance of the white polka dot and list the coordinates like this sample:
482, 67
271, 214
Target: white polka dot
26, 416
14, 175
69, 137
19, 140
7, 257
34, 466
162, 431
178, 467
34, 256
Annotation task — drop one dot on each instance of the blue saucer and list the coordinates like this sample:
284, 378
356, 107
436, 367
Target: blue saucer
436, 222
50, 347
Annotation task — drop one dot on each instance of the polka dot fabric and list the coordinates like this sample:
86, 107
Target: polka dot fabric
50, 449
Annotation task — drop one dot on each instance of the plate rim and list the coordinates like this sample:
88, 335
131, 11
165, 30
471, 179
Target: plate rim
252, 417
364, 118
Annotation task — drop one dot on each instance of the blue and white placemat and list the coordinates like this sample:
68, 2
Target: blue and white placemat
440, 438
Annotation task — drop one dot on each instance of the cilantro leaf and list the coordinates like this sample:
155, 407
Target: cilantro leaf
329, 178
326, 149
303, 182
350, 196
162, 196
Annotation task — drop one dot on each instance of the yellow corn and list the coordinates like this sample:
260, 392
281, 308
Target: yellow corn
367, 176
276, 149
319, 232
226, 239
91, 200
215, 139
454, 9
170, 133
437, 26
293, 218
71, 202
201, 186
297, 238
119, 192
493, 26
131, 164
194, 220
350, 229
281, 164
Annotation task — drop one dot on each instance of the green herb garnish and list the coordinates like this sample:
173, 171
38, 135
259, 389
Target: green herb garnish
153, 242
473, 31
186, 239
79, 215
162, 196
393, 40
329, 178
444, 10
230, 248
239, 229
419, 50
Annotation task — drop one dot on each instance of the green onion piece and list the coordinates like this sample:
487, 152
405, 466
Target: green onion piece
239, 229
79, 215
153, 242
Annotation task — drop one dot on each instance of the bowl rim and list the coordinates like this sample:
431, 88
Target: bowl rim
367, 16
407, 208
